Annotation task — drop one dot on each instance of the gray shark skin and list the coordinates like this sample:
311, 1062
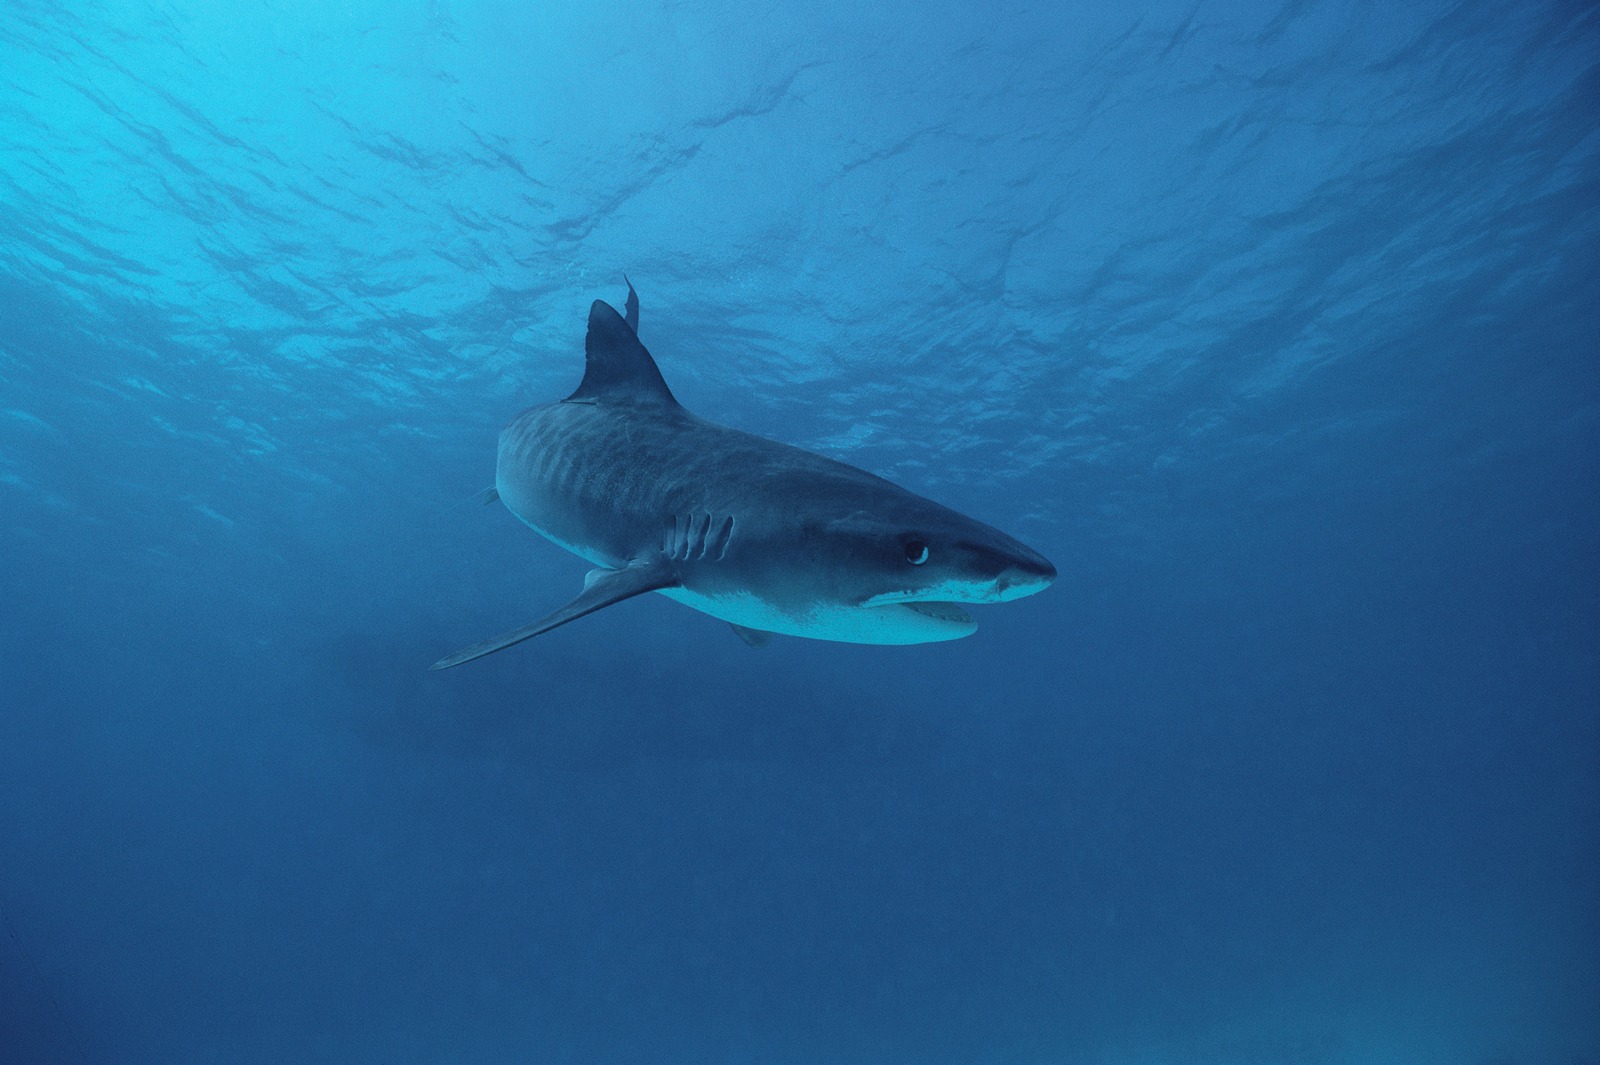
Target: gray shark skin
765, 536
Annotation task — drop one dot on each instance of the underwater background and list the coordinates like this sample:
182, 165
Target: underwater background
1276, 326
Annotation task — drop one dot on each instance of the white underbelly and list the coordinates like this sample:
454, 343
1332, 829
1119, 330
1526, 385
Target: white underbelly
894, 624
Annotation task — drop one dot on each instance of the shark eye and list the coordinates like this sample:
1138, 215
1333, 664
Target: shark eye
916, 552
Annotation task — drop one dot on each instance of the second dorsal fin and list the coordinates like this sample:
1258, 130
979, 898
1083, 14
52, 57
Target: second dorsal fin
617, 367
631, 307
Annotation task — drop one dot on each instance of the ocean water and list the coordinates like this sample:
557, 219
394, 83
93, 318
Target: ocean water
1276, 326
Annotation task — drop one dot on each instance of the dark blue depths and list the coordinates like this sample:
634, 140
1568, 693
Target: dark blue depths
1272, 326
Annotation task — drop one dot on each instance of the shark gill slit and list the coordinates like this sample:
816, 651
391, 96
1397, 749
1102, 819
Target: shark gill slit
719, 542
702, 534
678, 536
686, 538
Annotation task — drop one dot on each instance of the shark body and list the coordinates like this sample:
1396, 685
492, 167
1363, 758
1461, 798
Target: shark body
768, 537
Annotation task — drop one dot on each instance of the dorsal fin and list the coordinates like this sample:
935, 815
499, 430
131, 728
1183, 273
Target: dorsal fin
618, 367
630, 309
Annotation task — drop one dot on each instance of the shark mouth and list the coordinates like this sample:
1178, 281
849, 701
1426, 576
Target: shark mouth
940, 611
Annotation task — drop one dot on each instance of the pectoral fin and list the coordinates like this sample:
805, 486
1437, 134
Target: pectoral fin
601, 589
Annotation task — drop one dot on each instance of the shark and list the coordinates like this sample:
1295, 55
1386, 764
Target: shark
771, 538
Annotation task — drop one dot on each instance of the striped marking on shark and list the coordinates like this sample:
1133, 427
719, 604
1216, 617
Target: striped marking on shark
767, 537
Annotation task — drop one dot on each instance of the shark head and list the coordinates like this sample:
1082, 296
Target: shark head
936, 557
905, 566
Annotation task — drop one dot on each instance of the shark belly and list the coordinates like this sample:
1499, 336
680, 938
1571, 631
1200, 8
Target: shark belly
898, 623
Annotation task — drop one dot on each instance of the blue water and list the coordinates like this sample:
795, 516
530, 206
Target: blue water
1276, 326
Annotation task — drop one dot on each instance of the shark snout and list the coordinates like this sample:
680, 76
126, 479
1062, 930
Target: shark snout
1028, 572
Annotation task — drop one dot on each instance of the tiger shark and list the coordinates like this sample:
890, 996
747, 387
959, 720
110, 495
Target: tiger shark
768, 537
